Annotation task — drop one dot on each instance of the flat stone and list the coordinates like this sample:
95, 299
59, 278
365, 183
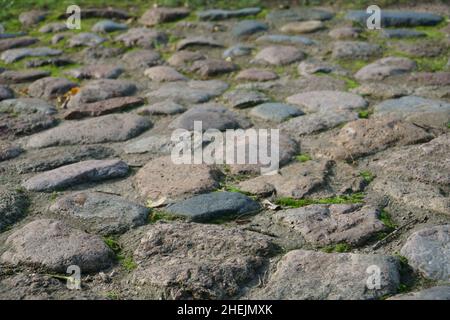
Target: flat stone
13, 55
6, 93
285, 39
213, 67
308, 67
393, 18
156, 144
428, 252
189, 91
409, 105
433, 293
244, 98
383, 91
27, 106
58, 38
13, 205
276, 112
344, 33
219, 14
164, 74
198, 261
33, 17
17, 125
296, 180
38, 161
279, 55
355, 50
53, 27
155, 16
142, 37
324, 224
212, 116
426, 48
97, 71
214, 205
97, 90
167, 107
281, 17
327, 101
106, 26
109, 128
86, 39
54, 246
22, 76
247, 28
50, 87
238, 50
198, 41
9, 151
102, 107
140, 59
105, 13
385, 67
316, 122
57, 62
184, 57
310, 275
303, 26
254, 74
367, 136
77, 173
430, 78
162, 178
402, 33
13, 43
101, 212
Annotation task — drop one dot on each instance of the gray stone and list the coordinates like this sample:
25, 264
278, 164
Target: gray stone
183, 58
198, 261
303, 26
37, 161
280, 17
345, 33
276, 112
13, 55
385, 67
355, 50
104, 13
109, 128
164, 74
285, 39
212, 116
97, 71
279, 55
50, 87
324, 224
54, 246
108, 26
244, 98
6, 93
27, 106
189, 92
402, 33
254, 74
77, 173
198, 41
155, 16
53, 27
310, 275
161, 178
13, 205
247, 28
409, 105
156, 144
220, 14
213, 67
428, 252
22, 76
167, 107
214, 205
140, 59
33, 17
142, 37
238, 50
13, 43
56, 62
21, 124
101, 212
383, 91
393, 18
433, 293
312, 66
9, 151
86, 39
327, 101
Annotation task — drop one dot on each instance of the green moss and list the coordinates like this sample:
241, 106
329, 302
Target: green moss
364, 114
352, 65
340, 248
113, 244
127, 262
386, 218
112, 295
432, 64
297, 203
303, 157
53, 196
367, 176
157, 215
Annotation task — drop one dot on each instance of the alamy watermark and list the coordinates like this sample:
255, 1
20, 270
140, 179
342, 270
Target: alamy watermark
74, 280
373, 282
245, 147
74, 20
374, 20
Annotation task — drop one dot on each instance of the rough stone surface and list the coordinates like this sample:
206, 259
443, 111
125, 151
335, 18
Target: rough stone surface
397, 18
279, 55
96, 72
384, 68
409, 105
167, 107
248, 27
355, 50
50, 87
198, 41
276, 112
108, 26
12, 207
220, 14
27, 106
86, 39
54, 246
9, 151
6, 93
213, 67
254, 74
163, 74
22, 76
142, 37
303, 26
157, 16
139, 59
434, 293
244, 98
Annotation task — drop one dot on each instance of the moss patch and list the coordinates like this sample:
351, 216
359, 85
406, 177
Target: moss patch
342, 199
